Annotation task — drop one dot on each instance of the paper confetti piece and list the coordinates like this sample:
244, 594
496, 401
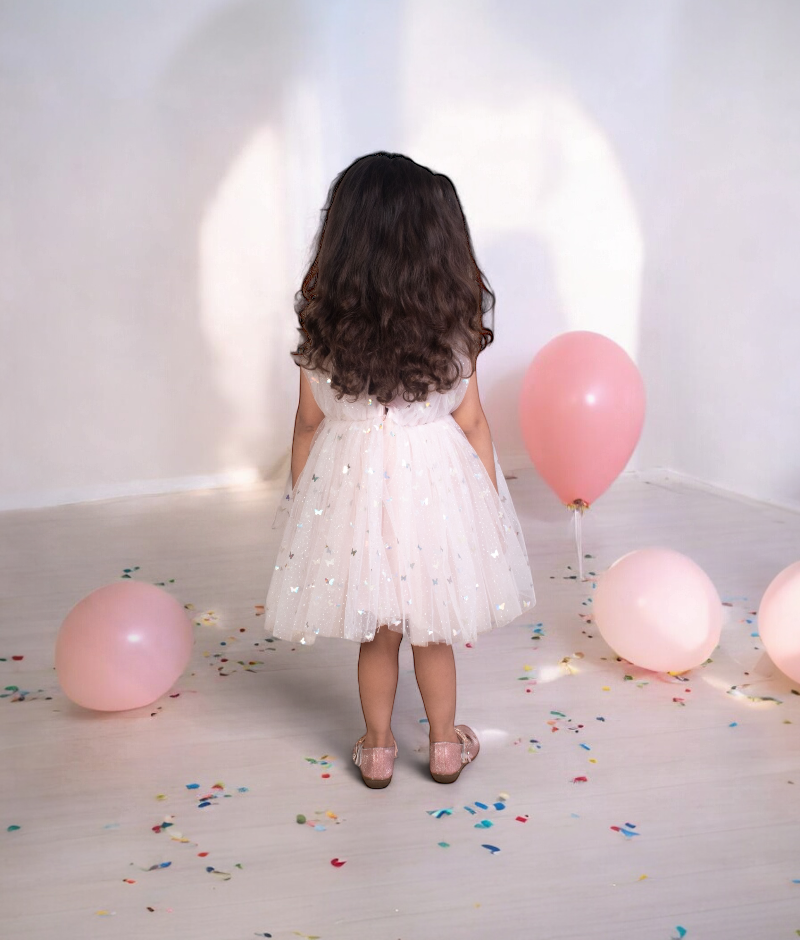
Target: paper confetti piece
681, 933
192, 786
491, 848
626, 830
438, 813
105, 913
521, 818
338, 862
13, 828
444, 845
580, 779
484, 824
735, 691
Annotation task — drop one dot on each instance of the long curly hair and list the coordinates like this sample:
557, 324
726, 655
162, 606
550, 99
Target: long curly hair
394, 291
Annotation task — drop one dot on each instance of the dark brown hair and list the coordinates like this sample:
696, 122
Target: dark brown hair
394, 290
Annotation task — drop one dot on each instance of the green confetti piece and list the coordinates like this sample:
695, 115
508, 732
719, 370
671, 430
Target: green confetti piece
13, 828
444, 845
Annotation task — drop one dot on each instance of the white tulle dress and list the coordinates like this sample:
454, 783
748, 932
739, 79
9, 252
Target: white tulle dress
394, 520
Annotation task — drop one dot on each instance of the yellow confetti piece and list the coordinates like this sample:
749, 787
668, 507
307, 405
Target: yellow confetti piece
592, 760
105, 913
527, 668
606, 688
642, 877
161, 796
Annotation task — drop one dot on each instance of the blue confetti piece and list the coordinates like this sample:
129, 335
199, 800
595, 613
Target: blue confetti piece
586, 747
481, 805
499, 805
204, 803
681, 932
733, 724
423, 721
192, 786
438, 813
469, 809
491, 848
484, 824
242, 789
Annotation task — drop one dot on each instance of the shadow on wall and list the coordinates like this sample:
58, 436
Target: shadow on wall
218, 183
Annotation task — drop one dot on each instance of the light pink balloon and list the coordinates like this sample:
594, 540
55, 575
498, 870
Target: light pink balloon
122, 646
779, 621
658, 609
582, 406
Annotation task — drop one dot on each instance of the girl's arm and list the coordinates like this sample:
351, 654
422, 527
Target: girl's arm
470, 418
307, 420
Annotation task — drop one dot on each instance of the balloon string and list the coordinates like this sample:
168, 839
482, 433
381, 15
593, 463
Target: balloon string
577, 515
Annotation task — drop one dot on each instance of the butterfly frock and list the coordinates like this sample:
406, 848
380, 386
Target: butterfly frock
394, 520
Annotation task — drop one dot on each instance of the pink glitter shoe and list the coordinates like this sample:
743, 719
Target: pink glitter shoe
448, 759
376, 763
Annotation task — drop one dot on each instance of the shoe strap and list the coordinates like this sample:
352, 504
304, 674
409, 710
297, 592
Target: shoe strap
465, 756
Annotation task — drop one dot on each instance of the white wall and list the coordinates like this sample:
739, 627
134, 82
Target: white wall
625, 167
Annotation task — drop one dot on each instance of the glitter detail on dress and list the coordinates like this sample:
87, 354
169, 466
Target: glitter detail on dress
413, 532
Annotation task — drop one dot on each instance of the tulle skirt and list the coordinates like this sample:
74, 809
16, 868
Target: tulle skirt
396, 525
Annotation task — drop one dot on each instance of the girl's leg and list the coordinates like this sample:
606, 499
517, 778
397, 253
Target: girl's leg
377, 684
435, 667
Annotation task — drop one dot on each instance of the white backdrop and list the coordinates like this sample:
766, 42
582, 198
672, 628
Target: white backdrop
626, 167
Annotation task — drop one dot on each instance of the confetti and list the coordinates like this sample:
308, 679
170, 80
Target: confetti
338, 862
491, 848
13, 828
484, 824
681, 933
580, 779
626, 830
444, 845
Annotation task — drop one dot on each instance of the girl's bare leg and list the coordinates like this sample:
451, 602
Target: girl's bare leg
435, 668
377, 684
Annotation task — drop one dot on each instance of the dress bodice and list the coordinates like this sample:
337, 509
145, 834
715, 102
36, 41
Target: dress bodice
438, 404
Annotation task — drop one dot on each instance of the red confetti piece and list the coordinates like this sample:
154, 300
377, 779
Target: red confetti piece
17, 658
129, 881
325, 775
580, 779
337, 862
202, 854
521, 818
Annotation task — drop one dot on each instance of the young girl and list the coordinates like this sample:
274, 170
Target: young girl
398, 517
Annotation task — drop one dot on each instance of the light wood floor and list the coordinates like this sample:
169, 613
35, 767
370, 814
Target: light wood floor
710, 780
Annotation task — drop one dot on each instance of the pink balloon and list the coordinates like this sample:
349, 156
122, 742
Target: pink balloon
582, 409
779, 621
122, 646
658, 609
